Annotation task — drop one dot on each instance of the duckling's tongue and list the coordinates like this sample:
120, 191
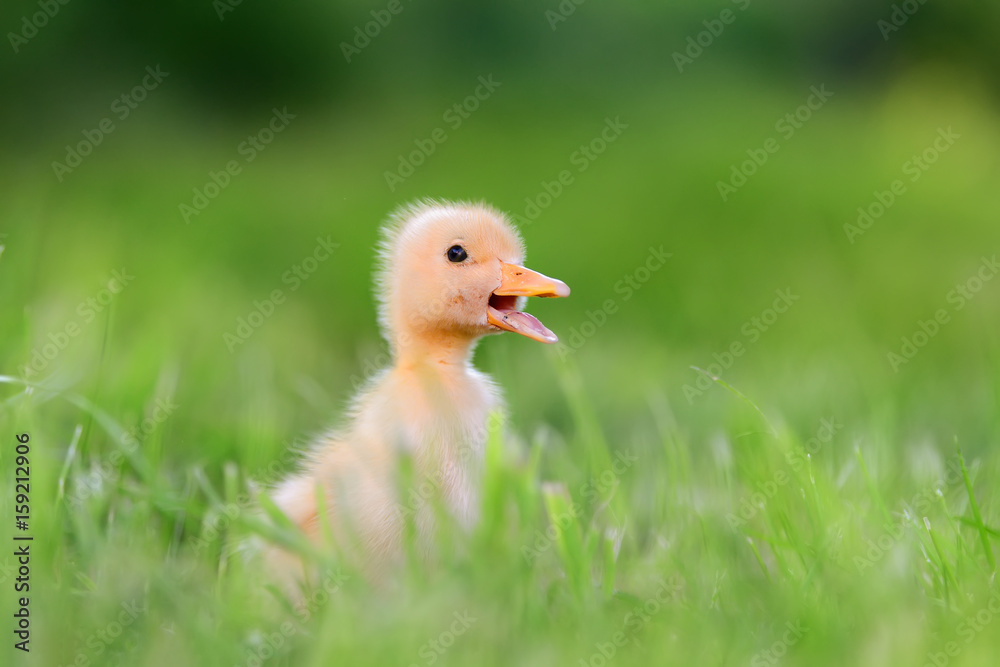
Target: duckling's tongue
520, 322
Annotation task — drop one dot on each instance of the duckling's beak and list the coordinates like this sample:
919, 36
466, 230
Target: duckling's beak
518, 281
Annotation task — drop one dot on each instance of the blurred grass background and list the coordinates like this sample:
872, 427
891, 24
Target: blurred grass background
655, 185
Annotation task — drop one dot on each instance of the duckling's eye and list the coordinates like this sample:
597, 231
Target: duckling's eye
457, 253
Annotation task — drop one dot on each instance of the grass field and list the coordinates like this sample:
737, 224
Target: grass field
806, 499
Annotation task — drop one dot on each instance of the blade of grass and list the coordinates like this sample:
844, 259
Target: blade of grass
872, 488
67, 462
976, 515
740, 395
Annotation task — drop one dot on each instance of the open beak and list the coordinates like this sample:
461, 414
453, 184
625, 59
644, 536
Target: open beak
518, 281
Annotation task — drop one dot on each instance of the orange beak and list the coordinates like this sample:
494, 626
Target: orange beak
518, 281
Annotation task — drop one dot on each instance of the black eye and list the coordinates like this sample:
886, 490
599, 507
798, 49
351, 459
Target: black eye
457, 253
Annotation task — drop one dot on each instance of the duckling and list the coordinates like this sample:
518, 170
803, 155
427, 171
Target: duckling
449, 274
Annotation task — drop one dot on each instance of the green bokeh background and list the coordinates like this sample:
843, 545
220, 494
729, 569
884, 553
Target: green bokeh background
655, 185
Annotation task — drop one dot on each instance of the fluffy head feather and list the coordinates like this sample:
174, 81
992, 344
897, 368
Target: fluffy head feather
421, 294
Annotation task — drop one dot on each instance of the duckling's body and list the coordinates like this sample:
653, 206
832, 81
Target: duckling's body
431, 408
433, 414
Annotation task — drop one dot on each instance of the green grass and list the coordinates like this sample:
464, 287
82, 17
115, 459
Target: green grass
810, 507
717, 553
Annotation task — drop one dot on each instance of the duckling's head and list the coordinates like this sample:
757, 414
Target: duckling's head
452, 272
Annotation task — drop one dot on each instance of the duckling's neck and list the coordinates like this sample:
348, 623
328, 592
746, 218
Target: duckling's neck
441, 389
434, 350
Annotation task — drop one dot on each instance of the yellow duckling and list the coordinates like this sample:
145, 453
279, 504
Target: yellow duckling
449, 274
